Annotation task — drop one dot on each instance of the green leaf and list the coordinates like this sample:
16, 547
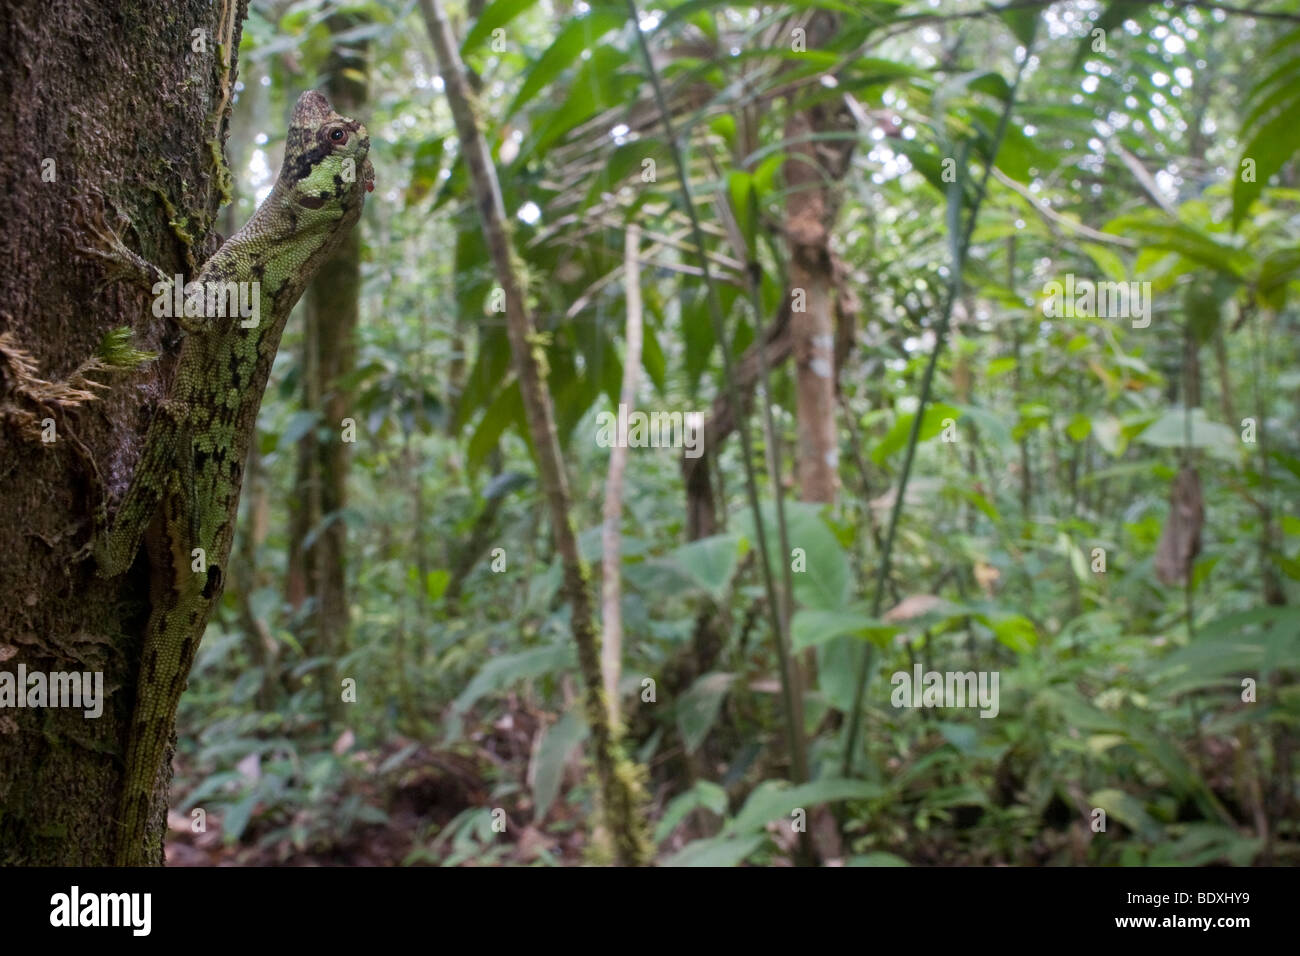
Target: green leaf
1206, 843
574, 37
896, 438
435, 584
740, 187
1272, 145
718, 851
876, 859
809, 628
999, 366
1108, 261
1127, 809
824, 581
495, 15
1079, 428
699, 706
504, 671
1022, 22
710, 562
1153, 229
1013, 630
600, 83
235, 820
1170, 431
425, 168
1116, 12
774, 799
839, 661
1279, 268
553, 751
506, 409
704, 795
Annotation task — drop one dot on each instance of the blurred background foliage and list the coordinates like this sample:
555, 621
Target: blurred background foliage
1144, 143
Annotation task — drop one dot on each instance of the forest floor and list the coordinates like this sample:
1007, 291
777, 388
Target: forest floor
419, 800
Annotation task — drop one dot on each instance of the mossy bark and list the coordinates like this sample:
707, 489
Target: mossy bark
104, 108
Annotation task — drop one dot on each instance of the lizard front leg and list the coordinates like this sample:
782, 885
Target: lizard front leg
122, 264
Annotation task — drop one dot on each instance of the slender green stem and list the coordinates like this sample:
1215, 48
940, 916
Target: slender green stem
961, 238
793, 716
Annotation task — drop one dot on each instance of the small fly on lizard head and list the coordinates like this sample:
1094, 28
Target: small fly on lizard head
325, 165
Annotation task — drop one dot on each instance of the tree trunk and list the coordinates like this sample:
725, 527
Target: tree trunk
611, 591
106, 107
811, 174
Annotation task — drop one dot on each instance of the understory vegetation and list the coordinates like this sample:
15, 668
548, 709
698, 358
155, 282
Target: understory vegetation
1053, 251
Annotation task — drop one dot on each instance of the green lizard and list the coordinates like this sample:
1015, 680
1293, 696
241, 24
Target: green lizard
184, 493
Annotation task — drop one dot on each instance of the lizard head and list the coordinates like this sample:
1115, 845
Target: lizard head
325, 165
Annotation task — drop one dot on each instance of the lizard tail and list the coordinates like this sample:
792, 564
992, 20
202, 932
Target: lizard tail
163, 670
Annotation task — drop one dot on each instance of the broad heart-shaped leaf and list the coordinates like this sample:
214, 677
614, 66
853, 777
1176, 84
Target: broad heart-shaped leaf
699, 706
773, 800
1170, 431
553, 751
710, 562
823, 582
810, 627
718, 851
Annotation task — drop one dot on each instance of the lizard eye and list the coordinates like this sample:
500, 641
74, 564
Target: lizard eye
338, 135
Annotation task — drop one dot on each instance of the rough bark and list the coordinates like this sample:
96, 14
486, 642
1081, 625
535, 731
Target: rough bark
133, 118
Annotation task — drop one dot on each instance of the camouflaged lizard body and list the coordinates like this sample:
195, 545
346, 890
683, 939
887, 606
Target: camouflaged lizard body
184, 494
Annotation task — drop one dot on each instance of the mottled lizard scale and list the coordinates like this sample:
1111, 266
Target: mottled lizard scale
184, 494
